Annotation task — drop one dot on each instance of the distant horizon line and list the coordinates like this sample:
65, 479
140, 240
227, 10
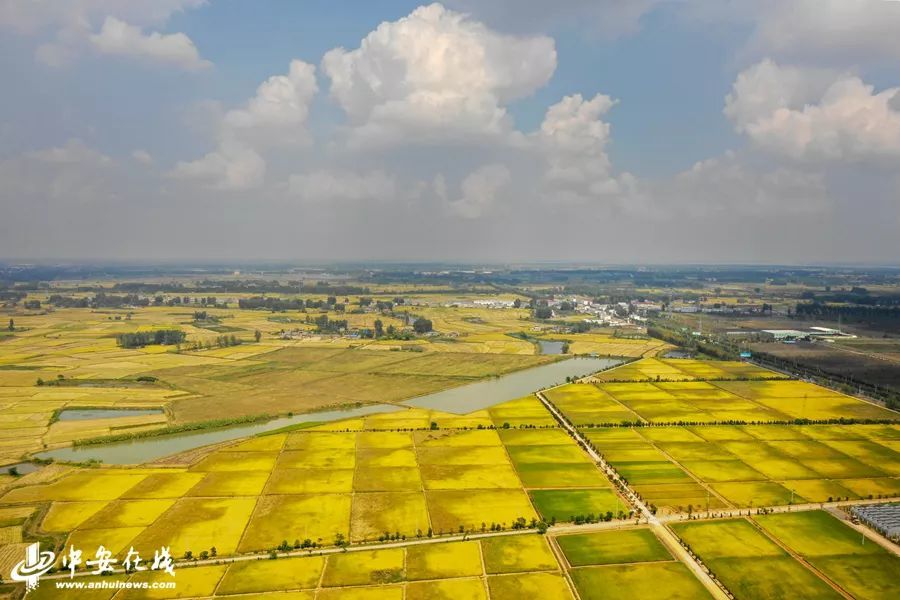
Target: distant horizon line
454, 263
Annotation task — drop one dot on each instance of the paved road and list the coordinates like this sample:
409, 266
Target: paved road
668, 538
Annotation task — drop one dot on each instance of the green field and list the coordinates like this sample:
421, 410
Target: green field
751, 565
859, 566
612, 547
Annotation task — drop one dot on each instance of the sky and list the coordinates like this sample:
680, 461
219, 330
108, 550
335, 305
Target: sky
603, 131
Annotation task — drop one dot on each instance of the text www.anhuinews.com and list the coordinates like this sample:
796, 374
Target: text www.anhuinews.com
115, 585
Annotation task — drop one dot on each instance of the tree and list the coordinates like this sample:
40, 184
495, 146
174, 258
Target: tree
543, 312
379, 328
257, 335
422, 325
517, 303
12, 325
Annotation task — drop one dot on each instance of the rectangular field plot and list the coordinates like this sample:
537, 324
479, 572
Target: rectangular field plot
452, 509
862, 568
656, 369
313, 516
549, 586
752, 465
517, 554
750, 564
586, 404
612, 547
651, 581
568, 505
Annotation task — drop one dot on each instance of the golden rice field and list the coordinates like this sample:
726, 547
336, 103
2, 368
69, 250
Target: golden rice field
734, 401
604, 344
503, 567
683, 369
753, 465
385, 474
274, 376
793, 555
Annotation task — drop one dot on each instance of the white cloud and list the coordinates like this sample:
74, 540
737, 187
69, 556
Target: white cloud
277, 113
69, 27
436, 75
73, 172
232, 166
480, 190
74, 152
142, 156
329, 185
121, 39
789, 112
841, 31
275, 117
573, 139
732, 185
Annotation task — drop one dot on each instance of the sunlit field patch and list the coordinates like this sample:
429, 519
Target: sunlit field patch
376, 513
312, 516
451, 509
308, 481
440, 561
230, 483
749, 563
565, 505
651, 581
367, 567
446, 589
517, 554
612, 547
549, 586
66, 516
465, 477
266, 575
198, 524
866, 570
387, 479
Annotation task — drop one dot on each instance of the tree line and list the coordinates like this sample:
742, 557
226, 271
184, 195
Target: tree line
139, 339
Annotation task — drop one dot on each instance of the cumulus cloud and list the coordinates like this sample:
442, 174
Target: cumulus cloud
73, 152
733, 185
799, 114
70, 172
838, 31
480, 190
330, 185
436, 75
142, 156
573, 138
68, 28
121, 39
231, 166
274, 117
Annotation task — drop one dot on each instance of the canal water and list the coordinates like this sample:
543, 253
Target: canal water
85, 414
463, 399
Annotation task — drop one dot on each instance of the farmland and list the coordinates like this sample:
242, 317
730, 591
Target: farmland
631, 563
802, 554
430, 503
374, 478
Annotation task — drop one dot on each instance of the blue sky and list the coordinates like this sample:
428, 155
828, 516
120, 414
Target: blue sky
720, 127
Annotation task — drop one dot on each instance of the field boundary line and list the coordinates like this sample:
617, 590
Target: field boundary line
800, 559
690, 473
565, 567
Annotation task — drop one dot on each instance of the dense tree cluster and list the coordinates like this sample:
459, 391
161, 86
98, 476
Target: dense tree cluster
138, 339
